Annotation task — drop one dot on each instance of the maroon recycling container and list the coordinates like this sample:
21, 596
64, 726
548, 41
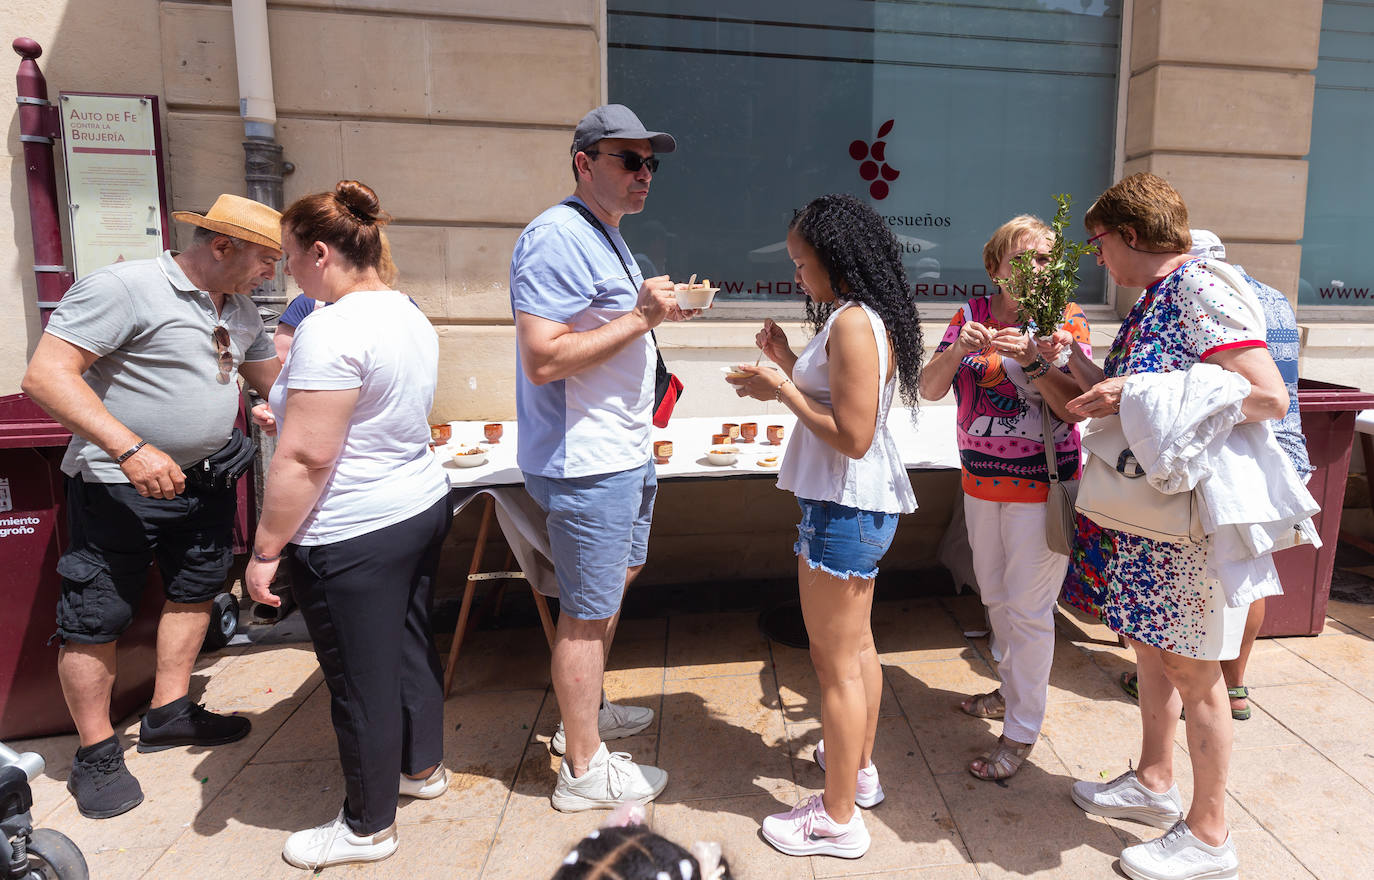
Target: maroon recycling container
1328, 422
33, 533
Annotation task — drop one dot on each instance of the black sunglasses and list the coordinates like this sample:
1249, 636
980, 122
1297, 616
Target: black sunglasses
633, 161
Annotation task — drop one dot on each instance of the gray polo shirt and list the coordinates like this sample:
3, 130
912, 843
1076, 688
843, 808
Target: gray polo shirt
157, 369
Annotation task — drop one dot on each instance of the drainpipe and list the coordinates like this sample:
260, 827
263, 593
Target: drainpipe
263, 170
263, 166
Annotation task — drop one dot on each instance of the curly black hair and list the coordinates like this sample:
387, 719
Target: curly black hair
631, 853
859, 252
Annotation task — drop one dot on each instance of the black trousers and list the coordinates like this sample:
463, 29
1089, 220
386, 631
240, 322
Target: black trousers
366, 602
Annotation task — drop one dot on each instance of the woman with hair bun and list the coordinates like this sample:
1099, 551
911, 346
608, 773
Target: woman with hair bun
847, 474
358, 506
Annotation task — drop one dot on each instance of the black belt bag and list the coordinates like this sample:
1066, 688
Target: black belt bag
222, 469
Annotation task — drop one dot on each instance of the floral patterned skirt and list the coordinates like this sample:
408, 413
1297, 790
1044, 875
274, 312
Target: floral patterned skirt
1153, 592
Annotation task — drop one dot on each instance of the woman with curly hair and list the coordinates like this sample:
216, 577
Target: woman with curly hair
1000, 382
845, 470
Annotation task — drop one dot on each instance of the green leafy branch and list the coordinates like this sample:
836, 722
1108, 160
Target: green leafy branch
1044, 293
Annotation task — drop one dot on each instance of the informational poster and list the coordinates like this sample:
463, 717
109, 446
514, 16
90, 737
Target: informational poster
112, 148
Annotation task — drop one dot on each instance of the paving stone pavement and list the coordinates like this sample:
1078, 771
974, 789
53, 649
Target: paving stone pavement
737, 719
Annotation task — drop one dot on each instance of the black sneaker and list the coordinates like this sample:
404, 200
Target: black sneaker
193, 727
102, 785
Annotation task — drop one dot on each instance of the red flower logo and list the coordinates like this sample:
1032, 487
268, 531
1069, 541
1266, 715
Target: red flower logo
872, 162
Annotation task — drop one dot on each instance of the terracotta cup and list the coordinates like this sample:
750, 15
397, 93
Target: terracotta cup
775, 433
493, 431
663, 450
730, 428
748, 431
720, 439
441, 433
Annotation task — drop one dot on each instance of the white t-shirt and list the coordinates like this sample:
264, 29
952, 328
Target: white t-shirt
817, 471
379, 342
597, 421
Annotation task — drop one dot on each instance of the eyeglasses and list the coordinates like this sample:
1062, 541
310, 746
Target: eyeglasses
632, 161
1092, 242
226, 354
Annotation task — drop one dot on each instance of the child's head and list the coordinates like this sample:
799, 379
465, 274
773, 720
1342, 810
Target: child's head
635, 853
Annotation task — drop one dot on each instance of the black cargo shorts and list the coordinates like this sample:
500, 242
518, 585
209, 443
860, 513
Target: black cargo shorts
117, 533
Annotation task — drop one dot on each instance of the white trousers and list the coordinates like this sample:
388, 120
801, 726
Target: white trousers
1019, 579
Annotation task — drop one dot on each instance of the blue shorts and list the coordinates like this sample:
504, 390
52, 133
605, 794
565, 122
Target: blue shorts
844, 542
598, 527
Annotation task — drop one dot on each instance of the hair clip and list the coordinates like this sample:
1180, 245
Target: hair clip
708, 854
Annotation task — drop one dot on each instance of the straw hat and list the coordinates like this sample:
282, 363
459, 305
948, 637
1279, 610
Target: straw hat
238, 217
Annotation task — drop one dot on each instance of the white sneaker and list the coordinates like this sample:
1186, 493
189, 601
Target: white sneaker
430, 787
1178, 855
613, 721
869, 791
611, 779
808, 830
334, 843
1125, 798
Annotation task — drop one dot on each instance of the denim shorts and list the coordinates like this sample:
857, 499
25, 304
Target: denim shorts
598, 527
844, 542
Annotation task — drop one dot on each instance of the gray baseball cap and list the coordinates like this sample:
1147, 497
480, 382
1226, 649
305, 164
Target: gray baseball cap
618, 121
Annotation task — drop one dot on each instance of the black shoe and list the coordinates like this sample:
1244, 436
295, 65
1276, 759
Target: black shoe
102, 785
193, 727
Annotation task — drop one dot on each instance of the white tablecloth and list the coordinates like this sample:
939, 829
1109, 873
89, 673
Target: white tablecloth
926, 444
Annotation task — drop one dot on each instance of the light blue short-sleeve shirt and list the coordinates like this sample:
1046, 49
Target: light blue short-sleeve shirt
599, 420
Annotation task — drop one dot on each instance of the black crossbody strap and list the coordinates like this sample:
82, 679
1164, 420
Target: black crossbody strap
596, 224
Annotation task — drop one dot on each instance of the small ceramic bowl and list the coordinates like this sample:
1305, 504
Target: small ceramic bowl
471, 456
734, 372
770, 461
694, 298
722, 455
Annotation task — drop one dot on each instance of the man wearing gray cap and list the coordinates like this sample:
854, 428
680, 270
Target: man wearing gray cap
585, 361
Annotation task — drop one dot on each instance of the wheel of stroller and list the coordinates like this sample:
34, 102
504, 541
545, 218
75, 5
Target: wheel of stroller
53, 856
224, 622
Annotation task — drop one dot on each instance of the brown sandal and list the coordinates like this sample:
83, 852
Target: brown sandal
1003, 761
989, 705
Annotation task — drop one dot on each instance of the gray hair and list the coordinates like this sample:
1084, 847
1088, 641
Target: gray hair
203, 236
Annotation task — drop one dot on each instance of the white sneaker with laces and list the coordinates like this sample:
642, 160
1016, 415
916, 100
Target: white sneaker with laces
425, 789
1179, 855
1125, 798
808, 830
611, 779
334, 843
613, 721
869, 791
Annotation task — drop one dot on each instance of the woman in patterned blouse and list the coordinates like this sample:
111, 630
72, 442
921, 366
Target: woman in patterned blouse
1160, 595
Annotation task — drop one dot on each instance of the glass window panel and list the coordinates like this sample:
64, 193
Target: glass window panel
950, 117
1337, 262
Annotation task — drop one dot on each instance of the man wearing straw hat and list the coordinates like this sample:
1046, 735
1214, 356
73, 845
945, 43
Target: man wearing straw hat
139, 363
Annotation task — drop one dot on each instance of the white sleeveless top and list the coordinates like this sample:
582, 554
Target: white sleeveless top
815, 470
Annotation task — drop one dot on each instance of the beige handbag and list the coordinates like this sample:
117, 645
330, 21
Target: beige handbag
1059, 505
1115, 494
